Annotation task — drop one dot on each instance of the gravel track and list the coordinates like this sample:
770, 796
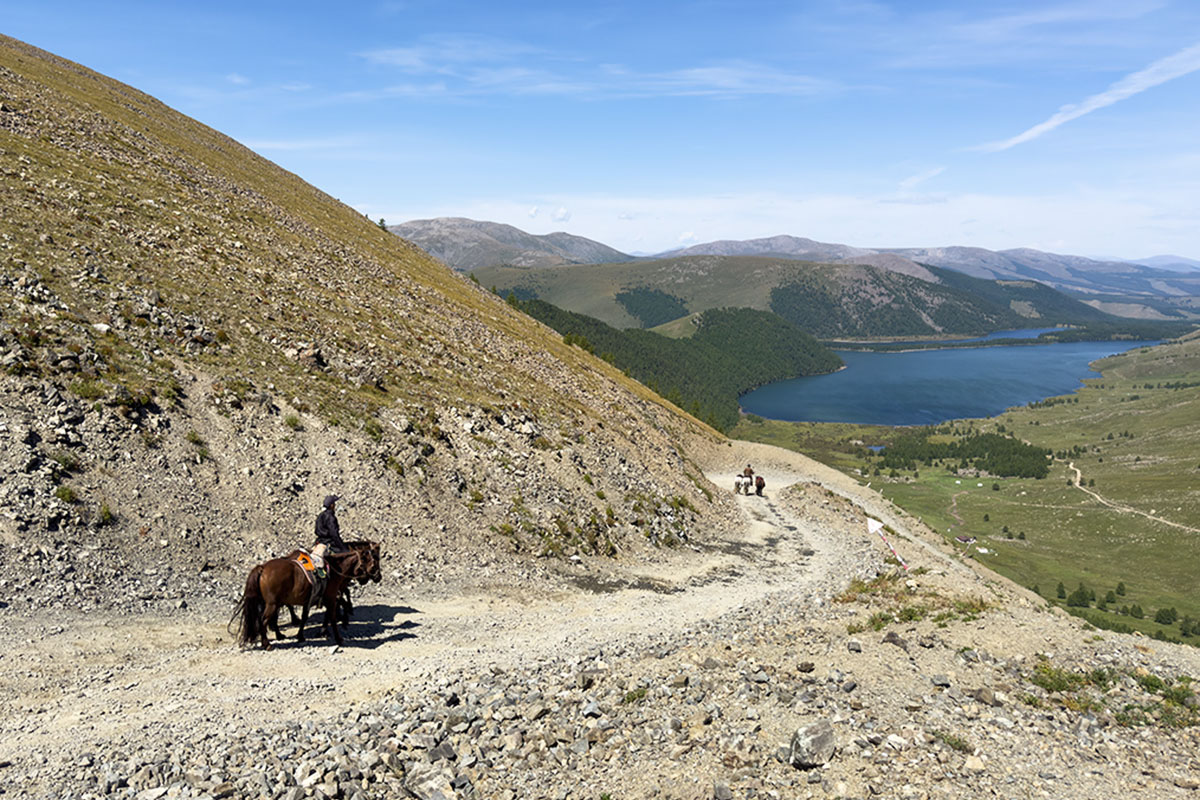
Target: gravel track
81, 681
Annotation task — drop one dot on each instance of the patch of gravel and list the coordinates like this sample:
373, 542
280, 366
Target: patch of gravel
694, 688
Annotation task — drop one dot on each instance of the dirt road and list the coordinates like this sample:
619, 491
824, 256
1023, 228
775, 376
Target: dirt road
1078, 483
75, 681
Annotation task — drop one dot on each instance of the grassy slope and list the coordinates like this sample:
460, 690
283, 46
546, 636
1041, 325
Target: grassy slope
1070, 537
703, 282
98, 173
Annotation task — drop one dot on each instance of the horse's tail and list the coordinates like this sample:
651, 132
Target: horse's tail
250, 608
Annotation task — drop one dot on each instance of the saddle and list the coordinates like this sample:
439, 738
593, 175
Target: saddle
313, 567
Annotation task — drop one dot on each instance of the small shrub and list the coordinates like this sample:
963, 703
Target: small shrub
879, 620
1151, 683
1054, 679
66, 494
634, 695
87, 390
952, 741
193, 438
105, 515
293, 422
65, 459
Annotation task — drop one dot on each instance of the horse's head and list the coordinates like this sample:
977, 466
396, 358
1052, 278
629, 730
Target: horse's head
373, 566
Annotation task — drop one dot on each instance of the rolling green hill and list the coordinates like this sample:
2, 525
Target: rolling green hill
827, 300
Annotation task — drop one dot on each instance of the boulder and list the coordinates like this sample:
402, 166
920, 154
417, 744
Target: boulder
428, 782
812, 745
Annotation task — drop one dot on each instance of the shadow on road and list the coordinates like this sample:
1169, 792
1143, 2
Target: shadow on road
379, 623
371, 625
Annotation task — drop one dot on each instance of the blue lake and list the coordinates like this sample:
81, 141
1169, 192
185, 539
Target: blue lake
924, 387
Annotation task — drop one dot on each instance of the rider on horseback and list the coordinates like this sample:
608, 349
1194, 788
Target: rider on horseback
329, 536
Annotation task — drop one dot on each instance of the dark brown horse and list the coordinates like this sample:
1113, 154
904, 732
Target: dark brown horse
281, 581
370, 570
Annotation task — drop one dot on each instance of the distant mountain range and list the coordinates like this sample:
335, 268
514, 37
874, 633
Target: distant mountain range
1155, 287
467, 244
1174, 263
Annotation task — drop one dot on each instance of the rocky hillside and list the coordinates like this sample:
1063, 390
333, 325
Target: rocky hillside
467, 244
199, 346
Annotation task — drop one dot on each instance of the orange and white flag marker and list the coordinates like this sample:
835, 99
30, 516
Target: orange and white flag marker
875, 526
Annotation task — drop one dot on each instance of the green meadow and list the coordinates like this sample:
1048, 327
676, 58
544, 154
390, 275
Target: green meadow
1133, 436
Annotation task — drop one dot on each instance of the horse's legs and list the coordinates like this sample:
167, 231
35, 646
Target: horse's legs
303, 622
345, 606
292, 613
270, 610
330, 615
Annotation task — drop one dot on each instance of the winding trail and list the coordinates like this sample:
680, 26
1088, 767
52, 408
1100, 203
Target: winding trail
953, 509
81, 679
1118, 507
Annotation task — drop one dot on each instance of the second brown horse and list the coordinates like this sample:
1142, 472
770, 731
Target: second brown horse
280, 582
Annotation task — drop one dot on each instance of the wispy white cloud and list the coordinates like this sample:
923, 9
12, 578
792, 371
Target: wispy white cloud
561, 214
921, 177
236, 79
1007, 26
1174, 66
448, 53
730, 79
468, 65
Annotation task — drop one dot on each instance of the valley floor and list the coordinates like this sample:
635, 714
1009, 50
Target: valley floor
680, 678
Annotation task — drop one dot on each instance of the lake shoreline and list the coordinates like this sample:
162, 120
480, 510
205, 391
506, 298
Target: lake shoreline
932, 385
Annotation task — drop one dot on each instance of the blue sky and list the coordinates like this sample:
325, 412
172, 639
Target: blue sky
1065, 126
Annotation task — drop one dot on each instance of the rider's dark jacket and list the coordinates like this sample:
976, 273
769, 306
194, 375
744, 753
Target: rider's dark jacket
328, 532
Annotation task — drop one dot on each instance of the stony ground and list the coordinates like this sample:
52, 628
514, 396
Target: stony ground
686, 676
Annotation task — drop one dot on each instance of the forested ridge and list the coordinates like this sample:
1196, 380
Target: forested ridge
732, 352
827, 306
651, 306
993, 453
